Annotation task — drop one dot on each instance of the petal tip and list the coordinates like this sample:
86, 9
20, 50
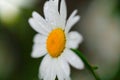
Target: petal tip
81, 66
34, 56
29, 20
34, 13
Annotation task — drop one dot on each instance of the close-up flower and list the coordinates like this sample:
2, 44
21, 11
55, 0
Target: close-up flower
54, 41
49, 40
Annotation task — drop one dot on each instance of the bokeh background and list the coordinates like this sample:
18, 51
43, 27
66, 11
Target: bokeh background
99, 25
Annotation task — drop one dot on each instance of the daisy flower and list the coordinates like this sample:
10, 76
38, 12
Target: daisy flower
54, 41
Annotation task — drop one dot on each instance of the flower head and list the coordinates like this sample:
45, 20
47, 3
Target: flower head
54, 41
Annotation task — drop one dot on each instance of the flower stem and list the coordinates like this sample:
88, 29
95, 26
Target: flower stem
88, 66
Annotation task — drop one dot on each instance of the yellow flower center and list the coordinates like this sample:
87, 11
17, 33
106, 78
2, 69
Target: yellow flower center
56, 42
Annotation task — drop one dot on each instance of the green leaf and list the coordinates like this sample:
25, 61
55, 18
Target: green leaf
88, 66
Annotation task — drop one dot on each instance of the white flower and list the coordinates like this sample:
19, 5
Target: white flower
54, 41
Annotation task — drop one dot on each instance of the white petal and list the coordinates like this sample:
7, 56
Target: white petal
52, 73
63, 70
71, 21
44, 67
60, 75
51, 13
38, 50
68, 78
42, 21
37, 27
40, 39
47, 69
73, 59
49, 75
63, 11
73, 39
64, 66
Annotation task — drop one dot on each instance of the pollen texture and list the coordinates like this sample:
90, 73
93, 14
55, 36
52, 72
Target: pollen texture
56, 42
